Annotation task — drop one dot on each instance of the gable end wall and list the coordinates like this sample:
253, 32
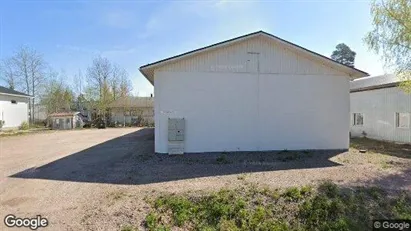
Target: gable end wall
274, 59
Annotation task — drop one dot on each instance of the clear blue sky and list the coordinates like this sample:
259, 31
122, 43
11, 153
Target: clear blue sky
132, 33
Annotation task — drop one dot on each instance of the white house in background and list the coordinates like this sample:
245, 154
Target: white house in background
14, 107
256, 92
380, 110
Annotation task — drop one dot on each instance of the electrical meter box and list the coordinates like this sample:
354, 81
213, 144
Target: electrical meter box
176, 129
176, 133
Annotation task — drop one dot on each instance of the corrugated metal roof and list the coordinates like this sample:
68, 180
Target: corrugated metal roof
9, 91
374, 82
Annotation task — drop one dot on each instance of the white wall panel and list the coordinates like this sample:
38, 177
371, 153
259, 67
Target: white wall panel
218, 110
303, 112
248, 111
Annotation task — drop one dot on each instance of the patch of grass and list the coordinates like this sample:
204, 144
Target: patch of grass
402, 207
24, 126
327, 207
14, 132
152, 223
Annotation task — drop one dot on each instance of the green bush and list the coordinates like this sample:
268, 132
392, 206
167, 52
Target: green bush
24, 126
292, 194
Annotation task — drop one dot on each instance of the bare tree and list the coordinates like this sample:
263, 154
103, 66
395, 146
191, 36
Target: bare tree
78, 85
120, 83
98, 76
79, 91
26, 71
116, 73
126, 86
8, 73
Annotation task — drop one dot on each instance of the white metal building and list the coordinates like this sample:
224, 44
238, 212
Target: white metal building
14, 108
256, 92
380, 110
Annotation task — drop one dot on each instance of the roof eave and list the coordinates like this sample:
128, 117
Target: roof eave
142, 71
16, 95
375, 87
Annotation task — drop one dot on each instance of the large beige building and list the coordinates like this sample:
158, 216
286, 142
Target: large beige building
132, 111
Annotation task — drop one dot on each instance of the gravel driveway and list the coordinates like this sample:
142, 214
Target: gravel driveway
98, 179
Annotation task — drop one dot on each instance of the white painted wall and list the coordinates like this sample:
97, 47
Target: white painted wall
248, 111
233, 100
379, 107
13, 114
117, 115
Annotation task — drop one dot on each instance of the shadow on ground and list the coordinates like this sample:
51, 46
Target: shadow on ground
383, 147
400, 180
130, 159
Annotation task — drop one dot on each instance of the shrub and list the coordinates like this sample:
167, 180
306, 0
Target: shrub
292, 194
24, 126
306, 190
2, 122
151, 221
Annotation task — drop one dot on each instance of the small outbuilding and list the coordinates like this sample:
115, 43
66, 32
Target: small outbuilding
14, 108
66, 120
256, 92
380, 109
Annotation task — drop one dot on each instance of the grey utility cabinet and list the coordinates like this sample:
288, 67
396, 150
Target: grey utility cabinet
176, 135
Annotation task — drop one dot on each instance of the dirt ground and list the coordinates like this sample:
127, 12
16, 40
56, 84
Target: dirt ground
99, 179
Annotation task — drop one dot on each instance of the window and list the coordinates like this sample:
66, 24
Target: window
14, 102
402, 119
358, 119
